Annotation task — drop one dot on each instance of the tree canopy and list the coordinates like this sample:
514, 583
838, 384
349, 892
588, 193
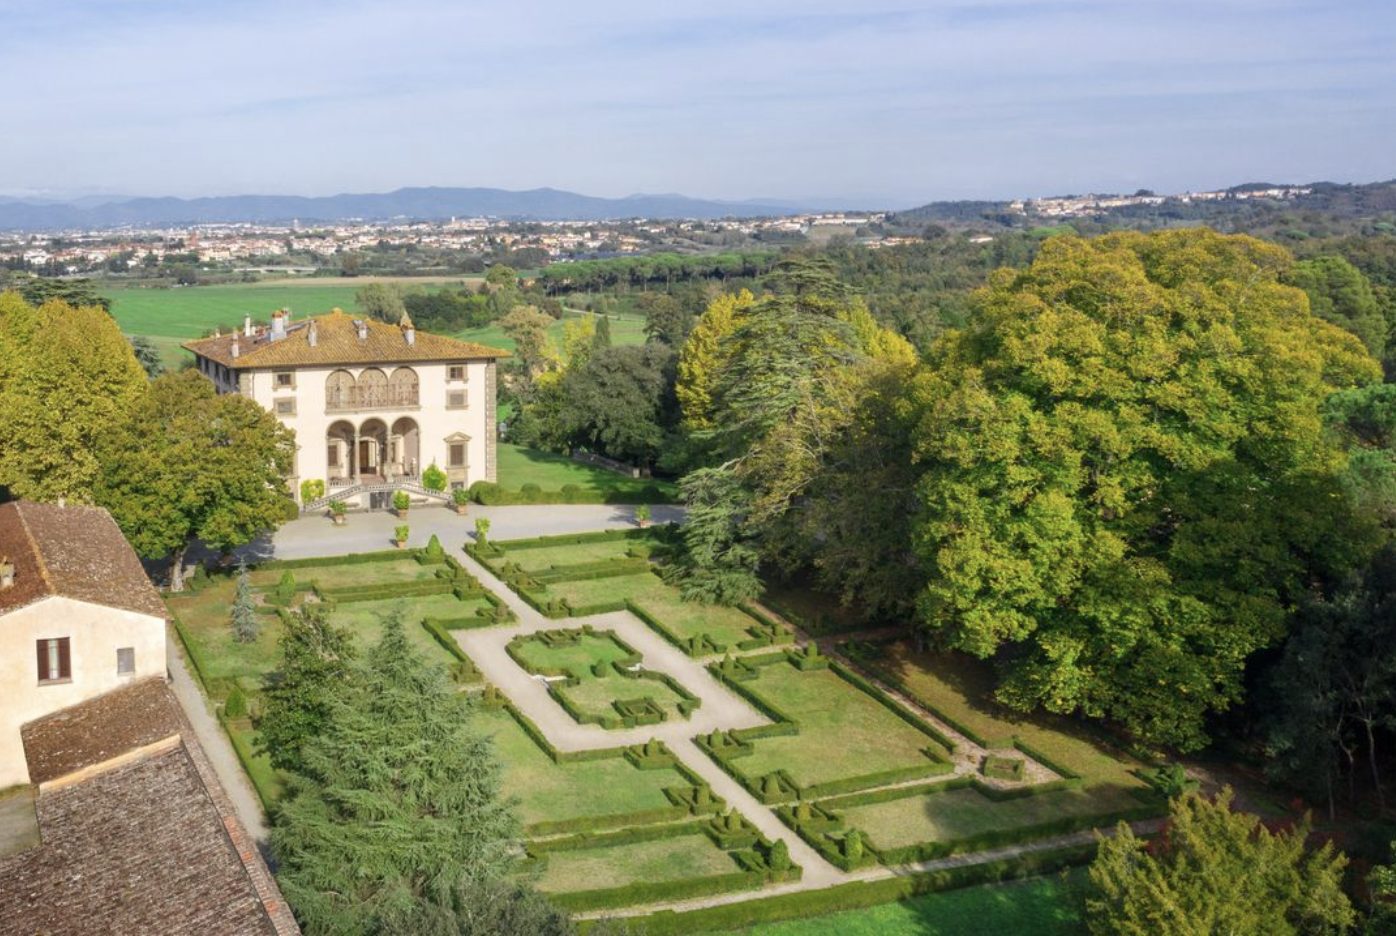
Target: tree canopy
1125, 473
1216, 871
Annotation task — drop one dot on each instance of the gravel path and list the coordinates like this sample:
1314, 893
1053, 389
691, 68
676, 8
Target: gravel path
215, 742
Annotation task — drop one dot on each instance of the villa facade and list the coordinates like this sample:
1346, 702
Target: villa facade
372, 404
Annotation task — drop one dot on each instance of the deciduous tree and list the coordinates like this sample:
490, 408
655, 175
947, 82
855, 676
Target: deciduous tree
1126, 475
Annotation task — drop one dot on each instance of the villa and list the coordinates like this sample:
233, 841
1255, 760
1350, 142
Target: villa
372, 404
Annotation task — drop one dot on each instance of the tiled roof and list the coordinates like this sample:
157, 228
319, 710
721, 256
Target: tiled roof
337, 342
147, 846
77, 552
100, 729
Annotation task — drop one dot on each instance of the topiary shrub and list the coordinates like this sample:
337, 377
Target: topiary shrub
286, 588
235, 706
599, 668
312, 489
434, 479
434, 552
400, 534
779, 857
853, 846
401, 501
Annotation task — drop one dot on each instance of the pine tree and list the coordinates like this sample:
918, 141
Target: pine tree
244, 614
395, 822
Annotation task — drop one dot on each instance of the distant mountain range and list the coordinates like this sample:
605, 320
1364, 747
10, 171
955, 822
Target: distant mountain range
419, 204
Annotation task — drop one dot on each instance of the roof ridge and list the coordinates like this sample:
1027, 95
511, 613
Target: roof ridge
34, 547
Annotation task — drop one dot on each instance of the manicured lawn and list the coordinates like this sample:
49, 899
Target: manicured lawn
724, 625
578, 658
594, 695
1037, 907
519, 466
365, 620
603, 590
549, 792
346, 576
673, 859
960, 814
844, 732
960, 689
545, 557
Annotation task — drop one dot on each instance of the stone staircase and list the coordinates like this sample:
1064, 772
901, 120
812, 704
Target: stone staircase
376, 487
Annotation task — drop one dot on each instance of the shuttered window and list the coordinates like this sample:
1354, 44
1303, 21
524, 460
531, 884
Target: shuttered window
55, 663
457, 455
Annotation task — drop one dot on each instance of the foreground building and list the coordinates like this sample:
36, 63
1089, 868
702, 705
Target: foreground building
78, 617
112, 819
372, 405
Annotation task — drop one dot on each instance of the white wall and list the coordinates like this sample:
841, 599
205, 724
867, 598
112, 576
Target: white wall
94, 633
434, 420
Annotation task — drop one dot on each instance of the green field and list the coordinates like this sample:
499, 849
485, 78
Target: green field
171, 315
519, 466
1037, 907
667, 859
578, 658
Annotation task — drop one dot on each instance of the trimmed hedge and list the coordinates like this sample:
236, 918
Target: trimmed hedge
492, 495
572, 539
320, 561
643, 892
605, 823
588, 571
855, 896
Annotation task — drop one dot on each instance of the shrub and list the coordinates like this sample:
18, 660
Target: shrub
199, 578
400, 533
338, 507
434, 479
998, 767
312, 489
434, 552
482, 531
531, 490
236, 704
286, 587
401, 501
779, 858
1171, 780
853, 846
643, 513
460, 497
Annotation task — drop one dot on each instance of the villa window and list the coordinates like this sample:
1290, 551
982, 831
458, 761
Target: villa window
125, 661
455, 399
284, 380
457, 455
55, 660
286, 407
455, 372
332, 456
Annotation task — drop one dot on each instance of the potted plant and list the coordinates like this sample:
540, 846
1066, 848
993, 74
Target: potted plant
401, 501
460, 500
643, 515
337, 511
400, 535
482, 531
434, 479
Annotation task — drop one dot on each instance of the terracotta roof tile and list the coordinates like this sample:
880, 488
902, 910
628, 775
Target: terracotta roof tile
337, 342
77, 552
100, 729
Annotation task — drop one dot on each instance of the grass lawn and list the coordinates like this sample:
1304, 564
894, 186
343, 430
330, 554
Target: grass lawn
625, 330
594, 694
348, 575
844, 732
365, 620
1040, 907
519, 466
673, 859
545, 557
577, 658
960, 689
549, 792
959, 814
724, 625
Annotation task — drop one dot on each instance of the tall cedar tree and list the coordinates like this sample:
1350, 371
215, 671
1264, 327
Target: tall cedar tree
394, 822
67, 377
190, 463
315, 661
1126, 477
1216, 871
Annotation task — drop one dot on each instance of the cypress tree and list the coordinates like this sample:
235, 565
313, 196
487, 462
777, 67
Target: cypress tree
244, 614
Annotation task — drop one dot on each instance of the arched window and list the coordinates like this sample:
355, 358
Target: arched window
373, 388
339, 390
403, 387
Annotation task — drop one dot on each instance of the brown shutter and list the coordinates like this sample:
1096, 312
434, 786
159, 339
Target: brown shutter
42, 646
64, 670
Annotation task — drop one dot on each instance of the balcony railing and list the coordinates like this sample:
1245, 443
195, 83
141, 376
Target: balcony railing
361, 398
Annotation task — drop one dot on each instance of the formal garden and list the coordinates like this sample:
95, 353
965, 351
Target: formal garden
874, 754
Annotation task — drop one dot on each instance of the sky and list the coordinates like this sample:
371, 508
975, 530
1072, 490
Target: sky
884, 103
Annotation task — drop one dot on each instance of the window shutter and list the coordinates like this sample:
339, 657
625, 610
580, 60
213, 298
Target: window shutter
64, 670
42, 646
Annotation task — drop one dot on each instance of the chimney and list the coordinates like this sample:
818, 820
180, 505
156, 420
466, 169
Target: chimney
362, 327
278, 325
235, 348
7, 573
311, 334
409, 333
247, 325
